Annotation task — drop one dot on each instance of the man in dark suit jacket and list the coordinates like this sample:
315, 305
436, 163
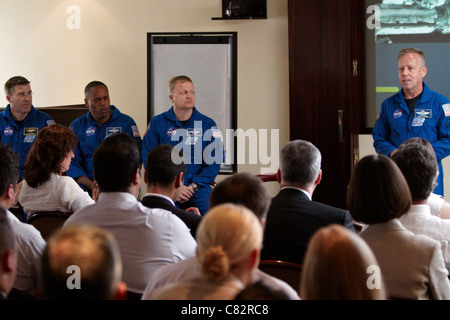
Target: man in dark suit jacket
293, 217
164, 179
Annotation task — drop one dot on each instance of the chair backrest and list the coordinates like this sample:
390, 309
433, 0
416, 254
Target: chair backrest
48, 221
267, 177
133, 295
287, 271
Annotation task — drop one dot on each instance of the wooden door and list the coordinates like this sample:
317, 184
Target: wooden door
326, 55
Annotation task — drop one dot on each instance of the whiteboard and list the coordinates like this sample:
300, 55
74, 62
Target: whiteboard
210, 61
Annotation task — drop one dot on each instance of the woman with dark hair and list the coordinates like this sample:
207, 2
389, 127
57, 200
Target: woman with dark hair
412, 265
45, 186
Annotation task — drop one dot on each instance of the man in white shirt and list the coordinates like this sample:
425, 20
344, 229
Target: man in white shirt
147, 238
420, 168
28, 240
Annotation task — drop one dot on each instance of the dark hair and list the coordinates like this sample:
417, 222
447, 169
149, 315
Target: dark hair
115, 162
9, 167
377, 192
52, 145
160, 168
13, 82
91, 85
260, 291
419, 166
243, 189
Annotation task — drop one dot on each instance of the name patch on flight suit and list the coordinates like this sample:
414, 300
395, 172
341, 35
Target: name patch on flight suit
418, 122
30, 134
423, 113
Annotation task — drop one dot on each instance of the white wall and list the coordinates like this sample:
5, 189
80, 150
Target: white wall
110, 46
366, 148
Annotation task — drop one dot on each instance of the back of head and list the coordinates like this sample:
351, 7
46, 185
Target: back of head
115, 162
377, 191
243, 189
420, 168
336, 267
80, 262
9, 167
52, 145
13, 82
226, 237
160, 167
300, 163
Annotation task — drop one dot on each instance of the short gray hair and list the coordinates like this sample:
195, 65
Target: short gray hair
300, 163
421, 54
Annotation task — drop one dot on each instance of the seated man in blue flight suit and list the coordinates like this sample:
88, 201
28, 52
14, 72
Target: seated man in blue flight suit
101, 121
415, 111
20, 122
196, 135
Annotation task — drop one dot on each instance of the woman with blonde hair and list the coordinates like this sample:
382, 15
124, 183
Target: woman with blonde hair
45, 186
339, 265
229, 241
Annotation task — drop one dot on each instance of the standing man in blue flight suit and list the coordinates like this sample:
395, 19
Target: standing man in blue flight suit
101, 121
415, 111
20, 122
196, 135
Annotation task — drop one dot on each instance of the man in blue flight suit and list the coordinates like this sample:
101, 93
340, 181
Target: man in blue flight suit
415, 111
20, 122
101, 121
196, 135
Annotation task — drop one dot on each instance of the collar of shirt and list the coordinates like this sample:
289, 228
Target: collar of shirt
304, 191
160, 196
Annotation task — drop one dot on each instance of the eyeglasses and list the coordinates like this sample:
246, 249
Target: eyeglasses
24, 94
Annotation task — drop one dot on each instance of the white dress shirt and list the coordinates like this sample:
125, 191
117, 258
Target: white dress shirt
30, 245
147, 238
59, 193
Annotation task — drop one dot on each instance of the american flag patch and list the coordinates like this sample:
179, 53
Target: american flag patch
216, 133
446, 108
135, 131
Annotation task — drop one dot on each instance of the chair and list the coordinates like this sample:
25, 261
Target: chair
287, 271
133, 295
48, 221
267, 177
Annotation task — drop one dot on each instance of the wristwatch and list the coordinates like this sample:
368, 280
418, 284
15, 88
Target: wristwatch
195, 186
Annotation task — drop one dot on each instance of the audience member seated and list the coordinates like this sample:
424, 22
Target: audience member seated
438, 206
241, 189
8, 256
82, 262
412, 265
29, 242
293, 216
337, 267
229, 242
164, 179
148, 238
409, 157
260, 291
45, 186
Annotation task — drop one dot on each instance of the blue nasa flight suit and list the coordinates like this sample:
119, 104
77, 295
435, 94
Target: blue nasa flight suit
201, 143
430, 120
21, 139
90, 134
